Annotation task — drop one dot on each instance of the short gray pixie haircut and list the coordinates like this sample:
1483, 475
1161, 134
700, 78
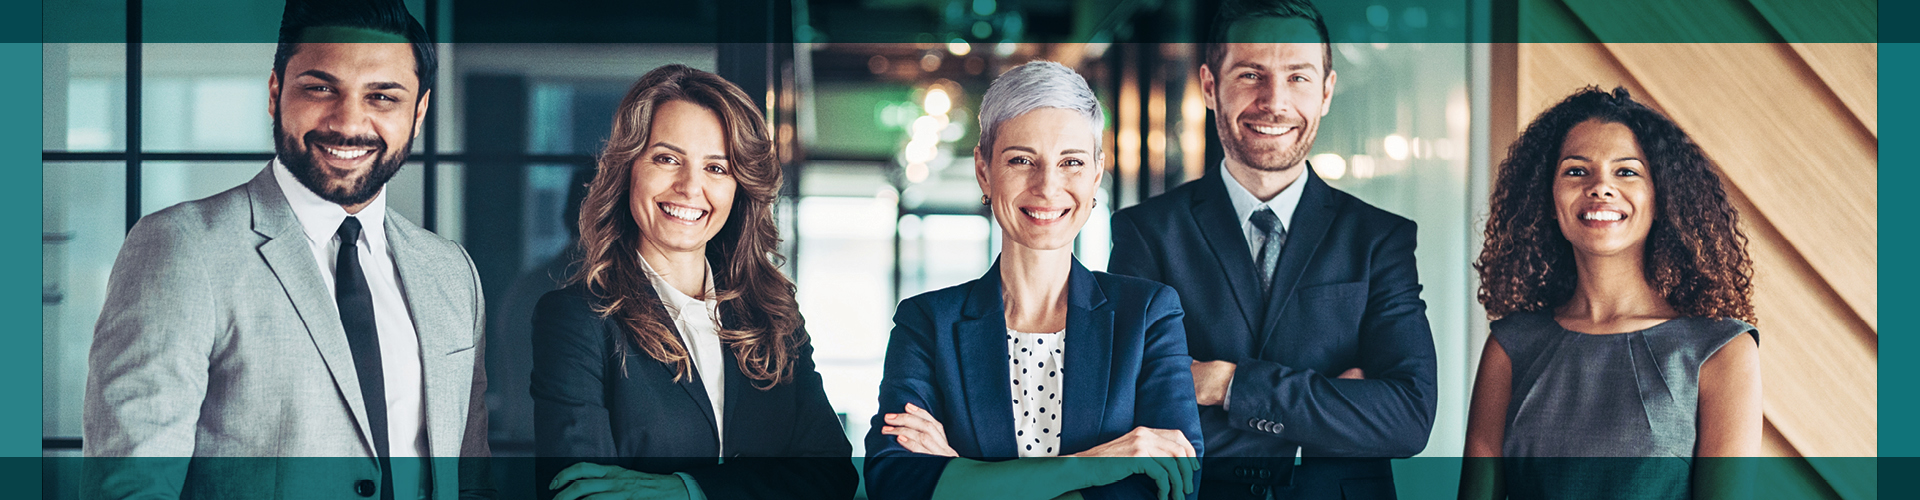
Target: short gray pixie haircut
1035, 85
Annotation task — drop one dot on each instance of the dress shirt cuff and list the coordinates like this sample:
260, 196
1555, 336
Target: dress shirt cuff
693, 487
1226, 400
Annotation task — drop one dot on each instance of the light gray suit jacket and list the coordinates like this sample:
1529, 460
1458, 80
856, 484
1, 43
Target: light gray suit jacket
220, 339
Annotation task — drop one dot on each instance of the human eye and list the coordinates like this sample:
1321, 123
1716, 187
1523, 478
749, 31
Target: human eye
1249, 76
715, 168
1298, 78
1072, 162
1019, 160
666, 159
1575, 171
318, 89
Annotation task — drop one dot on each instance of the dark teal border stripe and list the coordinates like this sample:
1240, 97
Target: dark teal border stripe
1899, 68
20, 198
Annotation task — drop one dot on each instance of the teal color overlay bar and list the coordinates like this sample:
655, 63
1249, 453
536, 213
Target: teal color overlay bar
1348, 21
1899, 67
20, 198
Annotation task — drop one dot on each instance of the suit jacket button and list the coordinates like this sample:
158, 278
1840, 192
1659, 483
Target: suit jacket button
365, 488
1264, 474
1257, 490
1277, 427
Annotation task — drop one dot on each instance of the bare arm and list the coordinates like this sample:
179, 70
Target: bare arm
1480, 474
1730, 420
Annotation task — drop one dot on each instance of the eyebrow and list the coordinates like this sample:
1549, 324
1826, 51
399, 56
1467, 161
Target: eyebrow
1615, 160
329, 78
676, 149
1260, 67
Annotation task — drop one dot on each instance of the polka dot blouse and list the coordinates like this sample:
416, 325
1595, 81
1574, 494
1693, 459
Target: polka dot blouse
1033, 360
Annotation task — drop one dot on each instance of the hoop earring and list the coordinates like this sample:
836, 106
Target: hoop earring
984, 200
1096, 202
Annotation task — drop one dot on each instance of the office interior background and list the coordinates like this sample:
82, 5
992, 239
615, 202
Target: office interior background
875, 134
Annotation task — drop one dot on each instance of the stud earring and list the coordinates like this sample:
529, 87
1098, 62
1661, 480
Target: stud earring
984, 200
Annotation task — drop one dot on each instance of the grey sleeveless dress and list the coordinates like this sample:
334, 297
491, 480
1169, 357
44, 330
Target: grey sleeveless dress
1604, 416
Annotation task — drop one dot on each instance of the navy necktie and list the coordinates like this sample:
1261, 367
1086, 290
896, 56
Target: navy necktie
355, 301
1268, 224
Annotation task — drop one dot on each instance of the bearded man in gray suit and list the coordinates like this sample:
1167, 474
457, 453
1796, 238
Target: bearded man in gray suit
295, 315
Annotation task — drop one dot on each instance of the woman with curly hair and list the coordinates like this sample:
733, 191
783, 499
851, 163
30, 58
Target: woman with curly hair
1620, 281
679, 342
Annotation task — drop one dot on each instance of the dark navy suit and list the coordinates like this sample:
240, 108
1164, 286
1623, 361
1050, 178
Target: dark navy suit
598, 398
1126, 366
1345, 295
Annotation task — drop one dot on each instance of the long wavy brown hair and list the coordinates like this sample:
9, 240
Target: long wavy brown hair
1696, 256
763, 327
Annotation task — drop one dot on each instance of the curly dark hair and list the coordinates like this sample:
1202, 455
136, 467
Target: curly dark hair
1696, 255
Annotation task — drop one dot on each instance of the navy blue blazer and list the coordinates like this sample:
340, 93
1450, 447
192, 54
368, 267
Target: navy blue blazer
1346, 294
1126, 365
597, 397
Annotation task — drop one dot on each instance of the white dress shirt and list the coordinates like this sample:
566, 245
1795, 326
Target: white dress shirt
399, 344
1244, 205
698, 322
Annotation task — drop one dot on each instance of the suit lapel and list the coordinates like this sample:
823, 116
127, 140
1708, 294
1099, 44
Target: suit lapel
1310, 222
695, 386
423, 282
982, 347
1220, 225
735, 385
287, 253
1089, 354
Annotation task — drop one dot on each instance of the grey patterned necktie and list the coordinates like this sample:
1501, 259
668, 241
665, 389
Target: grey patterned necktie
1276, 237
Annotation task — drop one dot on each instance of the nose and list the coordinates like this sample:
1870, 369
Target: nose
1602, 187
1273, 98
350, 117
1049, 181
688, 181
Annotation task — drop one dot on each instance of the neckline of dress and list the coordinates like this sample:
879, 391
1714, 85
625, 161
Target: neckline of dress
1556, 324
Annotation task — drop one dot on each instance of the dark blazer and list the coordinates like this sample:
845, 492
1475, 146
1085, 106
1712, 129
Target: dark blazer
1126, 366
1346, 294
612, 405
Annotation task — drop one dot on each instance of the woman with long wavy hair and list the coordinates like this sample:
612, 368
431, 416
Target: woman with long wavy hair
1623, 360
677, 356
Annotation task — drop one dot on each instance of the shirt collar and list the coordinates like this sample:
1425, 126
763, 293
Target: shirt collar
1283, 204
676, 301
320, 219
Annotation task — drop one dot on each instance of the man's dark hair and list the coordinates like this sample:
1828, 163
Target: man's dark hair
383, 16
1234, 11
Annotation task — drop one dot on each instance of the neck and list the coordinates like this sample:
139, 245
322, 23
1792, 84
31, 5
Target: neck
1613, 288
1264, 184
1033, 287
684, 271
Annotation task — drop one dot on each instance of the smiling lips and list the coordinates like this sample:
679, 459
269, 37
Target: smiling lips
346, 154
1602, 217
683, 213
1274, 130
1044, 216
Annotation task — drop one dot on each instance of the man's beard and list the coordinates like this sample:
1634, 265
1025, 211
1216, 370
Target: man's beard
1268, 159
305, 164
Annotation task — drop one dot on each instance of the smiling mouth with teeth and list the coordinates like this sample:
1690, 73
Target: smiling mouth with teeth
683, 213
1603, 216
1271, 130
346, 154
1047, 215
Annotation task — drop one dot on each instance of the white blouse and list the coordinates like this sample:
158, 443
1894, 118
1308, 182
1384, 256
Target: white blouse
1033, 363
698, 322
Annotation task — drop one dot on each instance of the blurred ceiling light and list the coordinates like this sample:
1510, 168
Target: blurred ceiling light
930, 62
959, 47
1417, 148
878, 64
984, 7
1362, 166
1330, 166
937, 101
917, 172
1396, 147
1377, 16
1004, 49
919, 151
981, 29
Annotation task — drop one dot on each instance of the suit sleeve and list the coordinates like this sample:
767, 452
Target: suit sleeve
892, 471
1131, 255
1164, 391
817, 462
569, 359
1390, 413
147, 369
475, 452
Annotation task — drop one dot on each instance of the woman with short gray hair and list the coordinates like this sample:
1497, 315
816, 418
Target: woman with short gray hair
1024, 361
